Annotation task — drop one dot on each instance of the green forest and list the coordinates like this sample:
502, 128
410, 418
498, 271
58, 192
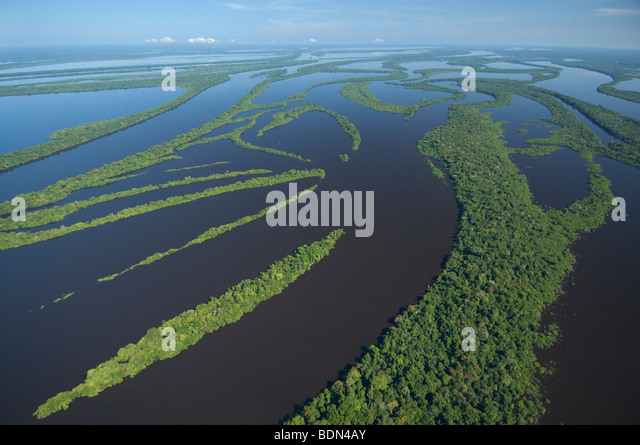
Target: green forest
194, 324
507, 263
509, 260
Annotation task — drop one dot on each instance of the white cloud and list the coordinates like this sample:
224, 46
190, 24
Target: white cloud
232, 40
378, 40
202, 40
312, 40
619, 11
163, 40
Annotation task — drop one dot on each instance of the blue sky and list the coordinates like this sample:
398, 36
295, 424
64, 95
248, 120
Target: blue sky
612, 23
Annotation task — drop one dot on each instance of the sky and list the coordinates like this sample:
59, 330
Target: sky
586, 23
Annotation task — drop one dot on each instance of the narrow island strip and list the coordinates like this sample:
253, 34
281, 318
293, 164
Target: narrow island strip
192, 325
209, 234
50, 215
13, 240
195, 166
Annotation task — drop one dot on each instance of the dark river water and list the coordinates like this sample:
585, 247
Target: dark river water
596, 360
583, 84
34, 113
164, 127
258, 369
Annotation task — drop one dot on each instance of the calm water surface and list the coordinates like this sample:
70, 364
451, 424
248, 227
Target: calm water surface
258, 369
599, 318
29, 120
583, 84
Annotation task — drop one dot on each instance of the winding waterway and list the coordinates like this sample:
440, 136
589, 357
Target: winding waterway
288, 348
242, 373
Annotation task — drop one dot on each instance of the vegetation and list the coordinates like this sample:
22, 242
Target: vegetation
71, 86
156, 154
211, 233
357, 92
236, 136
619, 125
19, 239
270, 73
506, 265
163, 152
194, 81
196, 166
618, 71
49, 215
73, 137
64, 297
428, 86
609, 88
192, 325
59, 299
284, 117
571, 132
435, 170
508, 261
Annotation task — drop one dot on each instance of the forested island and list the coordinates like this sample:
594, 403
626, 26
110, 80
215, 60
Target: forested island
509, 260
